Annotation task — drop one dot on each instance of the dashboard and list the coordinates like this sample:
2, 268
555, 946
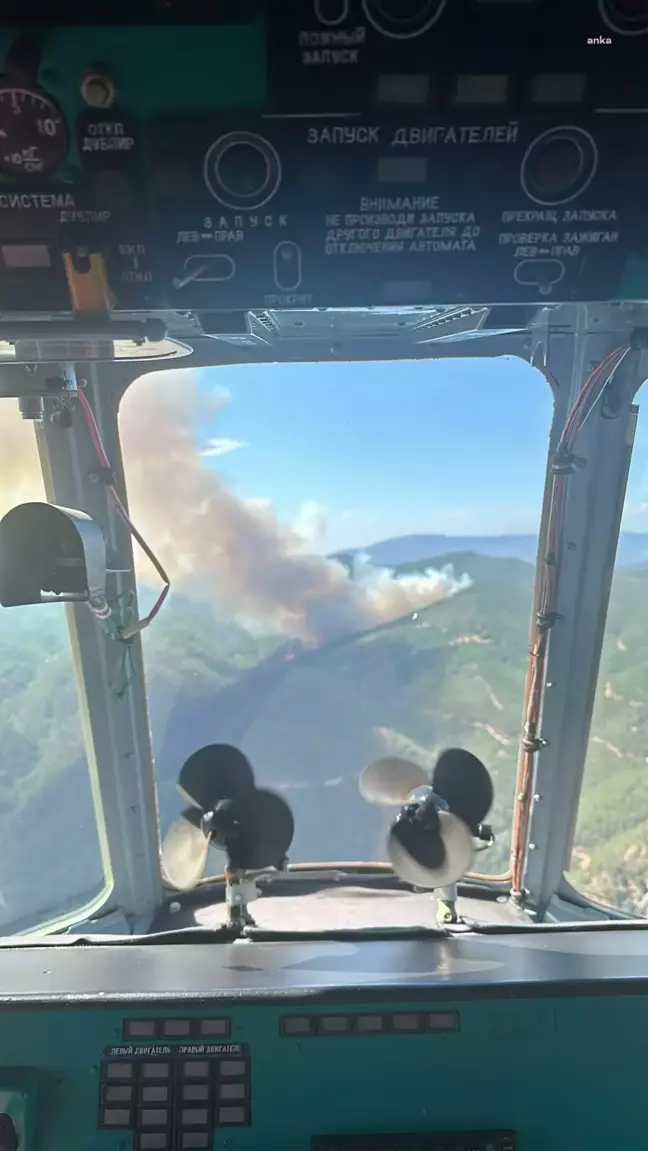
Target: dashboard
320, 153
491, 1043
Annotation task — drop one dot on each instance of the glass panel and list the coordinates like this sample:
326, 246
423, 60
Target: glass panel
609, 861
50, 859
245, 479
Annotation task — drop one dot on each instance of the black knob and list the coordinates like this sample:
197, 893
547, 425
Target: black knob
8, 1134
22, 63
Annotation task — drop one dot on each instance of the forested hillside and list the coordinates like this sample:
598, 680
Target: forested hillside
310, 722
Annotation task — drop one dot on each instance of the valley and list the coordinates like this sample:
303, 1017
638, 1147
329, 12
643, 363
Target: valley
309, 720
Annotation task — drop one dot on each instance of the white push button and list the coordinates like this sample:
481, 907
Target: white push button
214, 1026
155, 1070
196, 1069
230, 1091
176, 1027
232, 1068
195, 1139
152, 1141
195, 1093
116, 1117
119, 1071
195, 1116
118, 1094
232, 1116
155, 1094
153, 1117
287, 265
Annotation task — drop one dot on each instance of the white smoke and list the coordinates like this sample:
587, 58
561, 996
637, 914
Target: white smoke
256, 567
393, 596
21, 479
311, 524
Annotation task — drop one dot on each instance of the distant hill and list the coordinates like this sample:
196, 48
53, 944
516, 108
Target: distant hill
454, 675
633, 548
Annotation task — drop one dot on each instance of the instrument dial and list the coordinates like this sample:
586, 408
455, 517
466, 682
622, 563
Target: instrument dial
626, 17
403, 19
33, 133
559, 165
242, 170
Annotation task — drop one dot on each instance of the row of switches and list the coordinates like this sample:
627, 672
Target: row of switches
174, 1103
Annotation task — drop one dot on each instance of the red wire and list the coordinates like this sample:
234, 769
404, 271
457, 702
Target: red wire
104, 462
598, 377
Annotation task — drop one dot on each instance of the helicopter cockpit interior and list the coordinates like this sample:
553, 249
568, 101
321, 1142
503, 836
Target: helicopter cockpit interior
323, 573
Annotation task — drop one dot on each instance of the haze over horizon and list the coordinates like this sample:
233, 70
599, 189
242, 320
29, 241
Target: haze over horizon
330, 457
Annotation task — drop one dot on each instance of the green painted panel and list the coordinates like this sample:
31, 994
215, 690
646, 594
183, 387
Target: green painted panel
566, 1074
157, 70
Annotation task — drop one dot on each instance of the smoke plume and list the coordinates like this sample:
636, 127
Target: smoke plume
199, 527
258, 567
21, 480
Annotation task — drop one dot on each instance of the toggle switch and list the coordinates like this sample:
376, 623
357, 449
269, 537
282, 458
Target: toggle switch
206, 270
542, 274
287, 265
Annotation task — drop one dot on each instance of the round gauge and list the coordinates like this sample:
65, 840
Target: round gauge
242, 170
403, 19
627, 17
33, 134
559, 165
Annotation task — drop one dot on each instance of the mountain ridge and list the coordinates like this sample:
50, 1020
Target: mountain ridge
632, 548
451, 674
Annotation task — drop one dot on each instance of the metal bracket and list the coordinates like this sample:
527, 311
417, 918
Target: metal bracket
116, 728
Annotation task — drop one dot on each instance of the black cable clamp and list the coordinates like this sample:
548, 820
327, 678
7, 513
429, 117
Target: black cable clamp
566, 463
101, 475
546, 620
534, 745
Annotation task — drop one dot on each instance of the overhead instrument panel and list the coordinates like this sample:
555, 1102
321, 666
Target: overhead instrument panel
132, 12
322, 153
300, 212
510, 54
238, 211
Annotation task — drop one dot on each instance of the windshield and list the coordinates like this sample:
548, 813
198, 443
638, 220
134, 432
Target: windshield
424, 481
609, 862
51, 863
352, 553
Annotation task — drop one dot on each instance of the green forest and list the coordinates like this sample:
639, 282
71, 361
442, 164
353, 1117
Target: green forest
453, 675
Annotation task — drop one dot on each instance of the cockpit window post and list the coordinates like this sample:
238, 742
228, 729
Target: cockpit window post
116, 727
589, 535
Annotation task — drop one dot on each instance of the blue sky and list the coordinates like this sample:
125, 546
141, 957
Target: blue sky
456, 446
389, 448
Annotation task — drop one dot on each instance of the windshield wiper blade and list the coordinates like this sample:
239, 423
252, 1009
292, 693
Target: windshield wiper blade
193, 935
481, 928
344, 934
